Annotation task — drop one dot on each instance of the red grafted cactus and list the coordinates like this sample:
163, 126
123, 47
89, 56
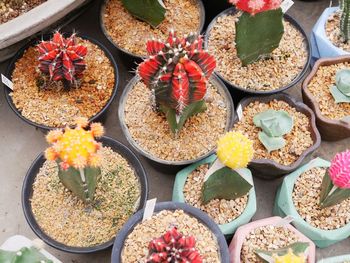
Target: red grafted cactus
173, 247
62, 59
256, 6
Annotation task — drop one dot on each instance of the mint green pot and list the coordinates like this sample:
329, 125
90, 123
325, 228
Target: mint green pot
226, 229
338, 259
284, 206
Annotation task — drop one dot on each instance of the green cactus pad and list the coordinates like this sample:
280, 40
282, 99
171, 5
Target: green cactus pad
25, 255
330, 198
224, 183
150, 11
71, 179
258, 35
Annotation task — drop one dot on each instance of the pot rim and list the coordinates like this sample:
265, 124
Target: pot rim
121, 115
301, 74
27, 191
189, 210
102, 9
19, 54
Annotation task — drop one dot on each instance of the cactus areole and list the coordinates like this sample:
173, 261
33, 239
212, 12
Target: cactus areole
177, 71
62, 59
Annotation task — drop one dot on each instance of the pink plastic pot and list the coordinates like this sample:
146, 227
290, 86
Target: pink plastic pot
243, 231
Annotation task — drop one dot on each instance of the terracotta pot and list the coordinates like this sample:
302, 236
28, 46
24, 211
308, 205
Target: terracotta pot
331, 130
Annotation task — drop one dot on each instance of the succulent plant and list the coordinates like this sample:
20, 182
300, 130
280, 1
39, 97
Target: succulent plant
173, 247
274, 125
234, 151
336, 182
62, 59
177, 72
341, 92
294, 253
150, 11
24, 255
75, 151
259, 29
344, 20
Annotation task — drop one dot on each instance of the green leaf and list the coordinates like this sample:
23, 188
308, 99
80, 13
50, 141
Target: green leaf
150, 11
258, 35
271, 143
297, 248
342, 78
335, 197
338, 96
326, 187
24, 255
170, 115
224, 183
274, 123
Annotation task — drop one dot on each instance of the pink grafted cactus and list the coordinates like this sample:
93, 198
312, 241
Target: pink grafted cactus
256, 6
339, 171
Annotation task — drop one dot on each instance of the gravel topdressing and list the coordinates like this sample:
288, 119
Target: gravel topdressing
319, 87
152, 133
266, 238
220, 210
288, 60
66, 219
297, 141
9, 9
136, 244
333, 31
306, 198
132, 34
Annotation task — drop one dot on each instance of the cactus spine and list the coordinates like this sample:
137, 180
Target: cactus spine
345, 20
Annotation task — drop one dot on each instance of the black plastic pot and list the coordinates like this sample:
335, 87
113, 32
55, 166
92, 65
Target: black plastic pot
27, 192
241, 92
128, 54
190, 210
35, 41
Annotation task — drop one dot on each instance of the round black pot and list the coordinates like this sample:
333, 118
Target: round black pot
27, 192
241, 92
11, 67
190, 210
128, 54
155, 161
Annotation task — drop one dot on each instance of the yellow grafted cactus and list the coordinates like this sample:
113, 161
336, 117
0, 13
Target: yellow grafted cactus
235, 150
290, 257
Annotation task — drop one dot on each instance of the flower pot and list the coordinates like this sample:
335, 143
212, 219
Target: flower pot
147, 35
271, 169
27, 195
243, 231
241, 91
228, 228
322, 47
330, 129
284, 205
153, 138
12, 66
337, 259
171, 206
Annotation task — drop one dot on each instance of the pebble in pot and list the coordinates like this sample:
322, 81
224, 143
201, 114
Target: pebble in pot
317, 195
221, 183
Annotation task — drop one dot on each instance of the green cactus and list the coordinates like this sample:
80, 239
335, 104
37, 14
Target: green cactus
344, 20
341, 92
24, 255
150, 11
258, 35
274, 125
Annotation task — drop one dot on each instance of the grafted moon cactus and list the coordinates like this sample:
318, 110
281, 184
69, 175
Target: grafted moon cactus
62, 59
177, 71
173, 247
75, 151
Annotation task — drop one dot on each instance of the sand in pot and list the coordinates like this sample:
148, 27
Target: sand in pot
77, 224
285, 64
48, 103
132, 34
10, 9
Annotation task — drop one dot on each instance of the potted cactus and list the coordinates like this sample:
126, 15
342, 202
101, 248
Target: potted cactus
221, 185
283, 132
331, 33
174, 232
326, 91
89, 188
173, 111
259, 49
129, 23
317, 195
61, 78
271, 240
